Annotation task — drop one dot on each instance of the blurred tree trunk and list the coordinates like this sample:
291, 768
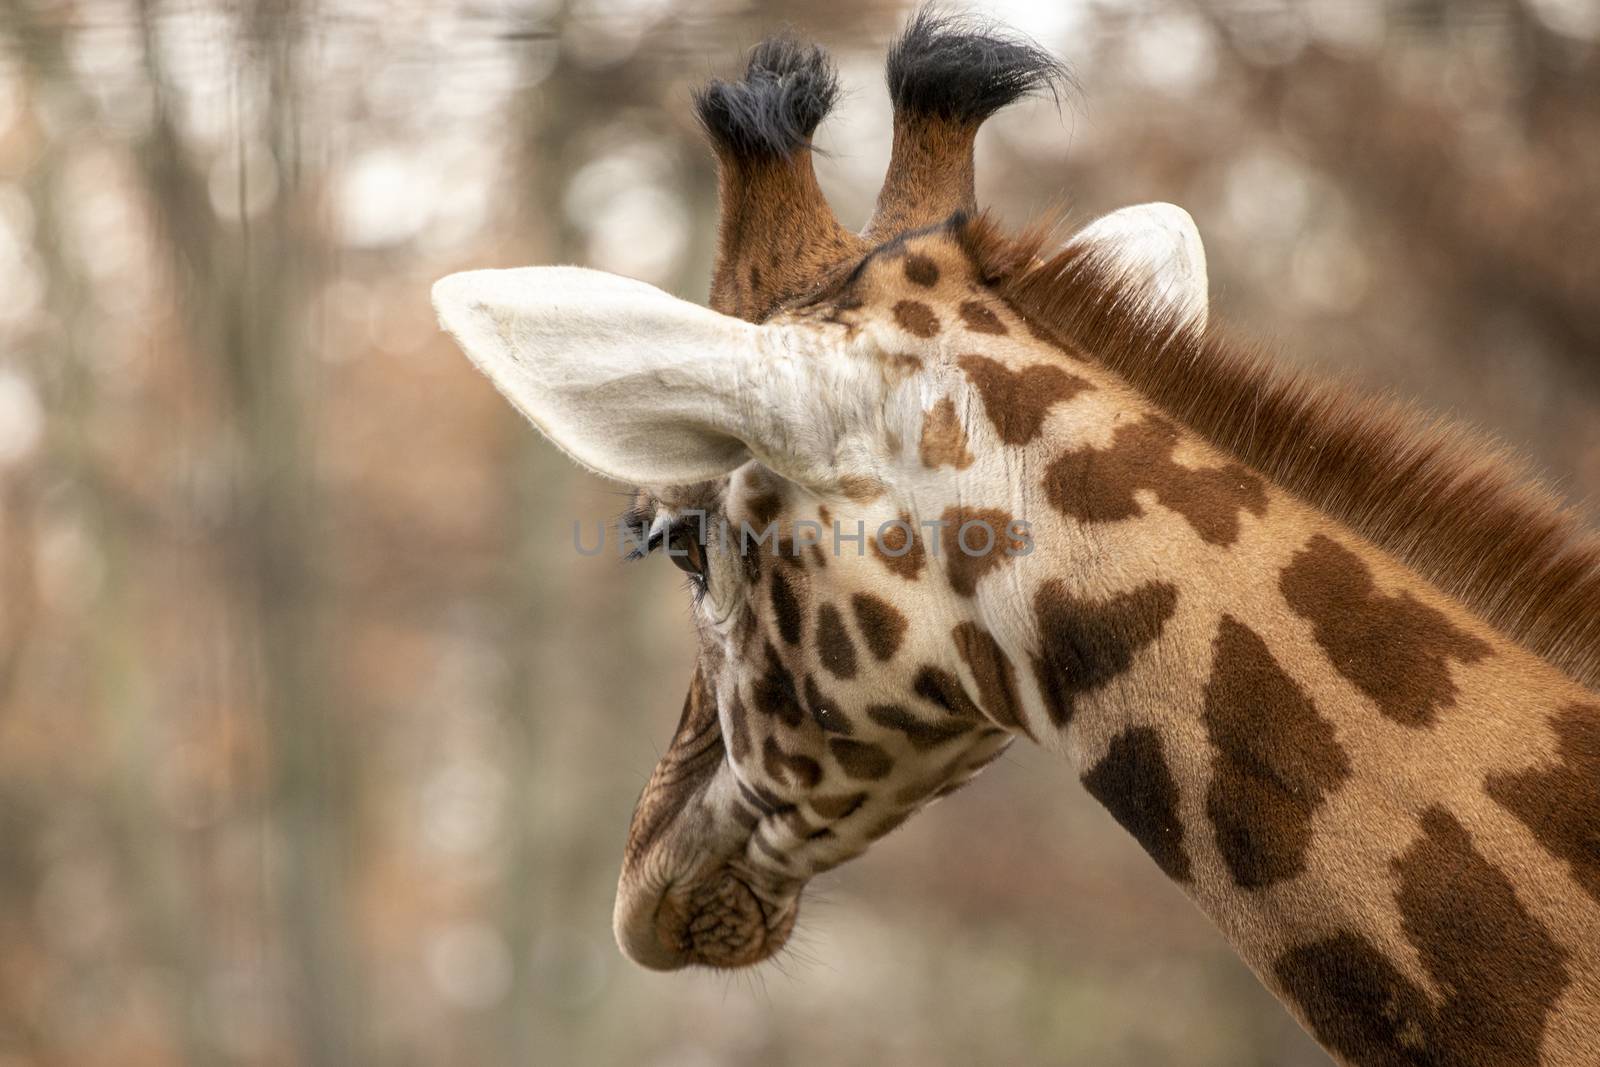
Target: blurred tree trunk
247, 295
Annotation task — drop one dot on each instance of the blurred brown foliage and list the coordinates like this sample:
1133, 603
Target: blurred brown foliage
318, 740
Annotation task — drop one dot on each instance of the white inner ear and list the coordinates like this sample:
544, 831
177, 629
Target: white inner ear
1157, 249
631, 382
643, 387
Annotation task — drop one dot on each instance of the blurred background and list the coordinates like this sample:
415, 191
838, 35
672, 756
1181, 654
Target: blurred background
318, 741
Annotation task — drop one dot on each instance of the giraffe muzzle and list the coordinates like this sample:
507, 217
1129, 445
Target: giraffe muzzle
718, 921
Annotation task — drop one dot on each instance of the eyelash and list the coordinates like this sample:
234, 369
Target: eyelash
632, 526
638, 519
643, 548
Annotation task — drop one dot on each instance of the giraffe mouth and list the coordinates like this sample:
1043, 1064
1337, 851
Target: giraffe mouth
720, 921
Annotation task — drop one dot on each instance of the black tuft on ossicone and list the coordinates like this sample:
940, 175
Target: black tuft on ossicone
788, 87
964, 68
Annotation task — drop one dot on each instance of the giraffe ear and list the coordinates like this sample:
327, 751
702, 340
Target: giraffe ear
633, 383
1157, 249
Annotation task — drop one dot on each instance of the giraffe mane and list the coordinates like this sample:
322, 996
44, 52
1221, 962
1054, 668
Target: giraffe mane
1457, 507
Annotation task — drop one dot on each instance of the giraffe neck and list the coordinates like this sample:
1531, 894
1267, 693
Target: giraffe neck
1377, 798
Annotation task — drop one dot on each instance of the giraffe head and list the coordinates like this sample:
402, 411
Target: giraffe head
821, 451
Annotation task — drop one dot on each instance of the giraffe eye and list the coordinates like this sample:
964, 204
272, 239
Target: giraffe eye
686, 551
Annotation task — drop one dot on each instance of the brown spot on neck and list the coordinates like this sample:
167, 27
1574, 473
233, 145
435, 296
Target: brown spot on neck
974, 542
1560, 803
1395, 649
764, 509
921, 733
774, 693
882, 625
980, 319
943, 690
1461, 912
860, 759
861, 489
1134, 783
921, 271
944, 439
785, 606
1357, 1003
1018, 401
899, 547
834, 647
1498, 970
1277, 759
916, 318
825, 711
1088, 642
799, 770
902, 364
1098, 485
994, 674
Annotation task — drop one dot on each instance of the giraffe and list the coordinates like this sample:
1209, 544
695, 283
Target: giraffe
1333, 666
